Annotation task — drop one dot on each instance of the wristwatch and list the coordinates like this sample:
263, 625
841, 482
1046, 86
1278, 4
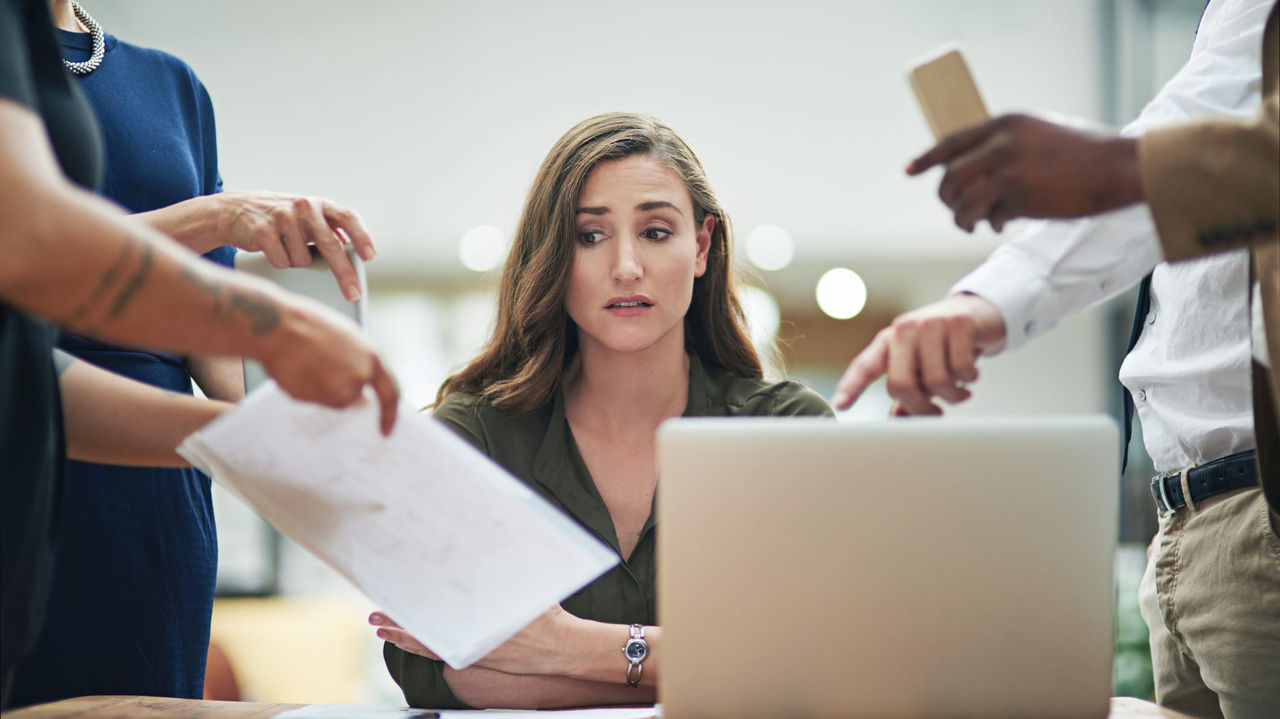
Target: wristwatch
635, 650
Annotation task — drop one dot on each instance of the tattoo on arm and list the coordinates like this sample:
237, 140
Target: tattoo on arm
135, 283
104, 285
260, 312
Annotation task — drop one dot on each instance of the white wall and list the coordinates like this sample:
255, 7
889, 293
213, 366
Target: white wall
431, 117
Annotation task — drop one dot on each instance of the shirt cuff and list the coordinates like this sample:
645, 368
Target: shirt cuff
1015, 288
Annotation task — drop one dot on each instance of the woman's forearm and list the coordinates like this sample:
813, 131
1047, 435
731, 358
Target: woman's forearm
82, 263
192, 223
115, 420
593, 652
219, 377
480, 687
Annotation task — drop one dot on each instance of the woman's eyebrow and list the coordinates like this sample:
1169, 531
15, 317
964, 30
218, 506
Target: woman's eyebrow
593, 210
656, 204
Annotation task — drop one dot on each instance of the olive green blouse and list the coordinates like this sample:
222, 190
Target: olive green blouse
538, 448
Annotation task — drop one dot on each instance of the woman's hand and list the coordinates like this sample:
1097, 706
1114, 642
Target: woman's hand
531, 651
315, 354
279, 225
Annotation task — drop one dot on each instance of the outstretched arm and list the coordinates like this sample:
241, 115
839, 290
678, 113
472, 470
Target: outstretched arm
79, 262
926, 353
279, 225
115, 420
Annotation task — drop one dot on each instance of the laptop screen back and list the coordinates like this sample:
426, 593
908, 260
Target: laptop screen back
909, 568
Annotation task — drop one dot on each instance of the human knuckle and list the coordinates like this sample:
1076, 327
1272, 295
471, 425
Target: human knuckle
936, 381
960, 323
903, 323
946, 187
344, 215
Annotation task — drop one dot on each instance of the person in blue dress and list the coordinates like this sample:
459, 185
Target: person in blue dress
132, 589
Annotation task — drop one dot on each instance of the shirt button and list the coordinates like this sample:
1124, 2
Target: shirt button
1151, 318
1142, 395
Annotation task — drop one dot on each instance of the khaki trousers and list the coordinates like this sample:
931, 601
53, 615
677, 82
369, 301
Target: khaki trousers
1211, 598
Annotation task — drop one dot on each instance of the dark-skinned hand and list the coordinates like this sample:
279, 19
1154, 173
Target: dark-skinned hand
1018, 166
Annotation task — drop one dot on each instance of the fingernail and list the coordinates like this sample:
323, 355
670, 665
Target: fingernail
352, 292
368, 253
383, 634
375, 619
840, 398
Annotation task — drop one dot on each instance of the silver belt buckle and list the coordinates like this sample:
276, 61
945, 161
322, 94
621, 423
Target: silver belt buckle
1164, 507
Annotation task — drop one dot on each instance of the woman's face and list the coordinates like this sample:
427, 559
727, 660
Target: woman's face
638, 250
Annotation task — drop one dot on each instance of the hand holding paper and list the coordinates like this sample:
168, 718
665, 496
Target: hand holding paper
427, 527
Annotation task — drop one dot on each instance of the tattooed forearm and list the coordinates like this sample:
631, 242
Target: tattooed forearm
104, 285
213, 288
135, 283
259, 311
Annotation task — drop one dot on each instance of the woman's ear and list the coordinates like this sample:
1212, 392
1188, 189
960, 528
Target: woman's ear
704, 244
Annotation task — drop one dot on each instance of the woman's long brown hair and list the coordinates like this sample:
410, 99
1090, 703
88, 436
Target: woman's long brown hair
533, 339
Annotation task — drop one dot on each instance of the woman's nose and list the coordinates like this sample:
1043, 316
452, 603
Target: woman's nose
626, 262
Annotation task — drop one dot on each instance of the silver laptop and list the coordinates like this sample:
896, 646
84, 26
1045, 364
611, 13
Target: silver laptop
314, 281
910, 568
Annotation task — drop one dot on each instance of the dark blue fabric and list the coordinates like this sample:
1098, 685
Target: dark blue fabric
133, 585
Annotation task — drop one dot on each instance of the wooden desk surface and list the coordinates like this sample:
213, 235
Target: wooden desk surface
124, 707
128, 707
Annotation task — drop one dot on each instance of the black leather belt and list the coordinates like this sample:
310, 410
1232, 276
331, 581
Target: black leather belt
1234, 471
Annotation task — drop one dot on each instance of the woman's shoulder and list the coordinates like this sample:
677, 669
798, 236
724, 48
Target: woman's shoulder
479, 422
748, 396
165, 67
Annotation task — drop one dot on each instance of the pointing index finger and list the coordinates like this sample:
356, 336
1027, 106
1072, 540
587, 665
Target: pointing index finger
950, 147
868, 366
384, 386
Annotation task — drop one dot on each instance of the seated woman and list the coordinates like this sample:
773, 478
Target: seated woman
616, 311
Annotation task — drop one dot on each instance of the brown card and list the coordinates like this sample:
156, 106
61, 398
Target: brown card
946, 93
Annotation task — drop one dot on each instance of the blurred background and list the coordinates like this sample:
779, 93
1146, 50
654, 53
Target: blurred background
431, 117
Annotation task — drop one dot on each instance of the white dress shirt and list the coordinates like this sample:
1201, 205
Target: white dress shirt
1189, 373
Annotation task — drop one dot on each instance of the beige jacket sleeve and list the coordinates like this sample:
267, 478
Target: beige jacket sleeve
1215, 185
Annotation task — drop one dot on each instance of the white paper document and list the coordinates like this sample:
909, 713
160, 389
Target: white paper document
446, 542
353, 711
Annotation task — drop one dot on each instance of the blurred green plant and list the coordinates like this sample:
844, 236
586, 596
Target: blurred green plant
1131, 671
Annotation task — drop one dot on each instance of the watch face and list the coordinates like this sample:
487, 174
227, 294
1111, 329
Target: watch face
636, 650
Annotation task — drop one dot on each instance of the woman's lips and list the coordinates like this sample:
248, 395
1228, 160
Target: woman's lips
629, 306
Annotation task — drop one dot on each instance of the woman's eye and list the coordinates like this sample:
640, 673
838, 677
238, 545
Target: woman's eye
590, 238
657, 234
